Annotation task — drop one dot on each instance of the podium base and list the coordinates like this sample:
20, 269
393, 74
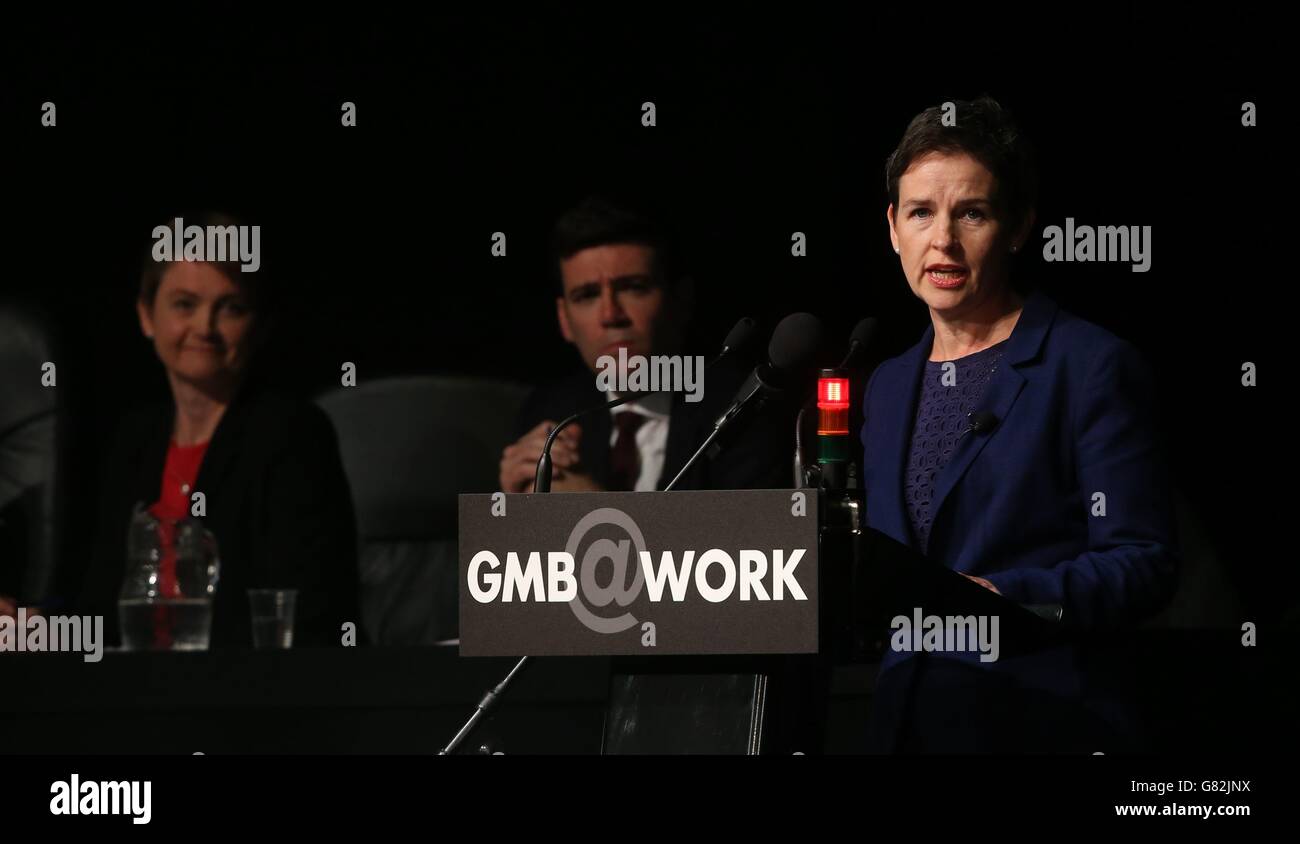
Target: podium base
716, 705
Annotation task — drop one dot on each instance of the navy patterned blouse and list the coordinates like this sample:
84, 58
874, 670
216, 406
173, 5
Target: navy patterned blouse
940, 419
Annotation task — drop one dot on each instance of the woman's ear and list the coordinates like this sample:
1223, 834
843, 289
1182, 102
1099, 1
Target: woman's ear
145, 317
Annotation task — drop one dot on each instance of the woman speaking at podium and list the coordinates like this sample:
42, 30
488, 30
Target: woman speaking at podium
1015, 444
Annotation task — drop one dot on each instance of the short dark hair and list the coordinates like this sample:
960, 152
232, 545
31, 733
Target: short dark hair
152, 271
983, 130
600, 221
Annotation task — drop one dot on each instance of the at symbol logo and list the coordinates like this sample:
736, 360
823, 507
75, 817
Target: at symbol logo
618, 591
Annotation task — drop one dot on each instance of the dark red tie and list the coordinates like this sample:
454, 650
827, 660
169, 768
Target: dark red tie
624, 459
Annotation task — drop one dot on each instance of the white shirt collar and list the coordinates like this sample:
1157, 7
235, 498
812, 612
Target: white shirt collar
654, 405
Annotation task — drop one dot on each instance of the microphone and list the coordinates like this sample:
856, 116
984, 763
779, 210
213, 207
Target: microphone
741, 334
861, 337
981, 422
790, 353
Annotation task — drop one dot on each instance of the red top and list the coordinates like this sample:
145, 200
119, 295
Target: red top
180, 473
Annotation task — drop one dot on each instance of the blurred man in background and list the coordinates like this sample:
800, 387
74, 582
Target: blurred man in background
621, 287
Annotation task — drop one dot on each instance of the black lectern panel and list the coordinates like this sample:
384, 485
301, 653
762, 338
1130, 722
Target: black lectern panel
685, 713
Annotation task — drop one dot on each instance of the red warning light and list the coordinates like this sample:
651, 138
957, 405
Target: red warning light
832, 407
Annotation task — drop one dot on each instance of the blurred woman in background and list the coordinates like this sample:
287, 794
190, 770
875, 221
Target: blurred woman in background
274, 493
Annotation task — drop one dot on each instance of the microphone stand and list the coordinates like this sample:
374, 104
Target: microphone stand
484, 706
694, 457
755, 390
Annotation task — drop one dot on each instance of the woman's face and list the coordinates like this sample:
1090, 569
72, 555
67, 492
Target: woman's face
951, 242
201, 324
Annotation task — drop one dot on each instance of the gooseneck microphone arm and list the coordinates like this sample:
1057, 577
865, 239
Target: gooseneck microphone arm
542, 482
799, 480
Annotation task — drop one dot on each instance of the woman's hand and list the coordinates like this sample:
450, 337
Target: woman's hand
982, 582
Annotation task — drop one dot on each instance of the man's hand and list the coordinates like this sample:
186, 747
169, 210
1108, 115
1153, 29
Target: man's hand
982, 582
519, 459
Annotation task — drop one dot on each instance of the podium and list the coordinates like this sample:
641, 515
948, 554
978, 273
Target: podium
724, 610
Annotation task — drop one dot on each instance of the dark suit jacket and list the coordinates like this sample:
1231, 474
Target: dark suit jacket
277, 502
1075, 406
757, 456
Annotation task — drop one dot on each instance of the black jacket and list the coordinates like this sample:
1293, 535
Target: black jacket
757, 454
277, 502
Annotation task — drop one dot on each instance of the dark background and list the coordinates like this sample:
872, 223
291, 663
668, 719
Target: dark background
379, 237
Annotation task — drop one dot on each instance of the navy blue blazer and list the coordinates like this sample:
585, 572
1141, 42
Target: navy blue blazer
1021, 506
